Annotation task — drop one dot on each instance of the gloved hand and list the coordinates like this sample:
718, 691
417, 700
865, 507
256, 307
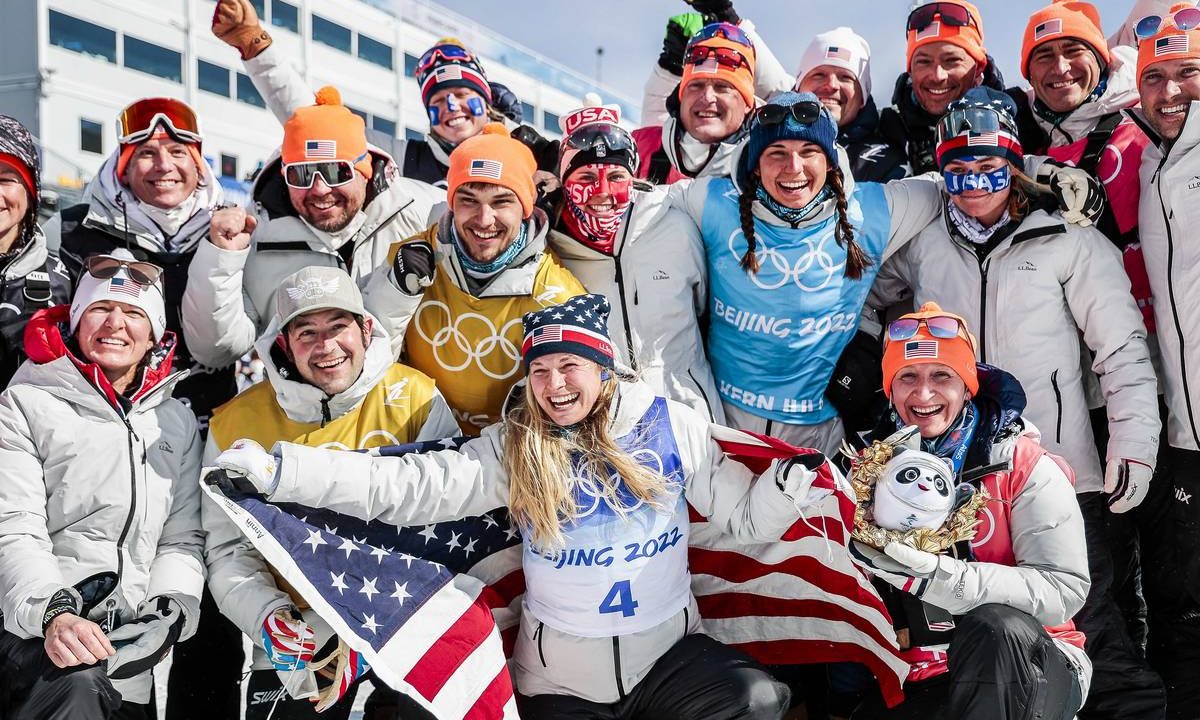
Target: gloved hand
680, 29
236, 23
244, 469
143, 643
1127, 483
343, 667
795, 477
1081, 197
716, 11
414, 267
288, 640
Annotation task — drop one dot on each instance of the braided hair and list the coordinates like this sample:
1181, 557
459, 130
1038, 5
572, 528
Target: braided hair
746, 213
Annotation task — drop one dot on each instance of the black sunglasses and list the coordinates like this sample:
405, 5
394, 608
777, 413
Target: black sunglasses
951, 14
805, 112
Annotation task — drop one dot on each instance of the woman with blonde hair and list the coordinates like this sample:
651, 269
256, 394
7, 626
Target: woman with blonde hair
599, 474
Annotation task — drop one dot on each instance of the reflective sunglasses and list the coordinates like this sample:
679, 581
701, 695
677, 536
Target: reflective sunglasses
726, 57
301, 175
445, 52
612, 138
1185, 19
951, 14
974, 119
805, 112
103, 267
940, 326
137, 122
727, 31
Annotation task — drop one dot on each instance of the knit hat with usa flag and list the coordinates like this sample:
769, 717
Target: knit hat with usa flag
325, 131
1169, 43
843, 48
494, 158
578, 326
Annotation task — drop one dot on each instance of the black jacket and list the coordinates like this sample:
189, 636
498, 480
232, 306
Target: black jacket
872, 158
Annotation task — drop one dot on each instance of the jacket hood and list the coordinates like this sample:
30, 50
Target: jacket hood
828, 208
1120, 93
49, 353
114, 209
305, 403
31, 257
270, 191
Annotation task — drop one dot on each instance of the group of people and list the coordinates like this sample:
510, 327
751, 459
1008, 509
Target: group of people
1005, 269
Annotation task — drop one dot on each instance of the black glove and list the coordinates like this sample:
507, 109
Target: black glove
143, 643
716, 11
231, 484
506, 102
414, 267
856, 387
674, 45
544, 150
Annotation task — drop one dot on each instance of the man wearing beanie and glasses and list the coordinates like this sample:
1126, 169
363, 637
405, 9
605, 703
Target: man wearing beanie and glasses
100, 536
329, 198
475, 273
1169, 85
29, 278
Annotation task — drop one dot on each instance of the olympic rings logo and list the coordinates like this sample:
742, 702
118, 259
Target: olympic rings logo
776, 270
589, 493
451, 338
386, 438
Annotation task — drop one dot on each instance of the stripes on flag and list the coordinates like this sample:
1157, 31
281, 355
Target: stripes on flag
920, 349
986, 139
833, 52
933, 29
1046, 29
320, 149
1170, 44
124, 286
486, 168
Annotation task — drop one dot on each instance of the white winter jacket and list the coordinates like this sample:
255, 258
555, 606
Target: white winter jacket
1027, 303
656, 281
446, 485
1168, 220
86, 490
230, 295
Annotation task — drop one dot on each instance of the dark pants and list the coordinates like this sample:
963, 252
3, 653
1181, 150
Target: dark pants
1170, 537
697, 678
1003, 666
1123, 685
206, 670
32, 688
264, 686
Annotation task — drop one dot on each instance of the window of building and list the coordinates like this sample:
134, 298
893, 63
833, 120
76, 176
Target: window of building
212, 78
410, 64
228, 165
361, 113
330, 33
285, 15
383, 125
550, 122
83, 37
247, 93
153, 59
91, 136
410, 134
374, 51
528, 112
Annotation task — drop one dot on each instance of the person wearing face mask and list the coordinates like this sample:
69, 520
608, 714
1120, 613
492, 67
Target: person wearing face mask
624, 240
331, 381
100, 536
1025, 278
328, 198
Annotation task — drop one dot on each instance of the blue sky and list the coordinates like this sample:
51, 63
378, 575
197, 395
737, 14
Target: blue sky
631, 31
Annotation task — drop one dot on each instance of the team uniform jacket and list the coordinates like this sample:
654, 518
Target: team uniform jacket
619, 591
30, 280
230, 296
389, 404
471, 344
1167, 222
1027, 303
775, 337
91, 484
656, 281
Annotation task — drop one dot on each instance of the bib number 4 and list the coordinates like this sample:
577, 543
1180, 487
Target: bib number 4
619, 599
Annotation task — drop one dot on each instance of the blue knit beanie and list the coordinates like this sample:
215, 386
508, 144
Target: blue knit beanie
823, 132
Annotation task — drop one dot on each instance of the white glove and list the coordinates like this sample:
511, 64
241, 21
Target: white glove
936, 579
795, 477
1127, 483
143, 643
1080, 196
246, 468
919, 562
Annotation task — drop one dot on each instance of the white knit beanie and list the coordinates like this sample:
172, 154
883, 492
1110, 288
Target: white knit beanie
120, 288
840, 47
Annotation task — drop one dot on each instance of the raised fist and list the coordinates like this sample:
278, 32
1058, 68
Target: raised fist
236, 23
231, 228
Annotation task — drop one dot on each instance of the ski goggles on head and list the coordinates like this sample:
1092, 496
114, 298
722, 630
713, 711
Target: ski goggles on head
443, 53
727, 31
725, 57
137, 122
805, 112
949, 13
973, 119
601, 138
301, 175
939, 326
1184, 19
103, 267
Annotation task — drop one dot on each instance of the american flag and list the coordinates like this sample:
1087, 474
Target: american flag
320, 149
124, 286
1171, 44
1048, 28
834, 52
547, 333
933, 29
486, 168
986, 139
920, 349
